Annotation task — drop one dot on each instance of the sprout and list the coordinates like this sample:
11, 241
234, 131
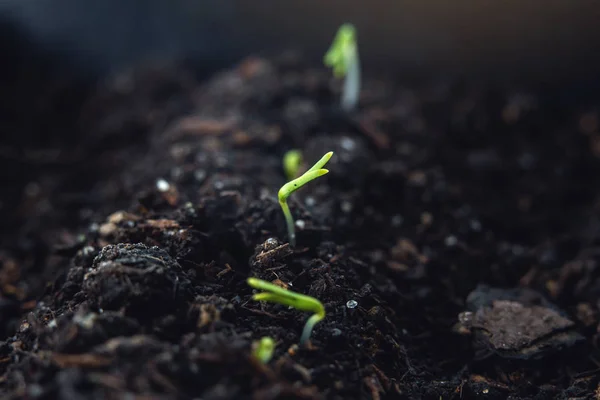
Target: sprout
293, 185
263, 349
342, 56
291, 163
275, 294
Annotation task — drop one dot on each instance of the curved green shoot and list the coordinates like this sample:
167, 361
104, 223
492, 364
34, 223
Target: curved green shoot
292, 160
286, 190
275, 294
343, 58
263, 349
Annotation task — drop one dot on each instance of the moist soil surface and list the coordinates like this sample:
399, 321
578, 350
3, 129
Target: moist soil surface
454, 243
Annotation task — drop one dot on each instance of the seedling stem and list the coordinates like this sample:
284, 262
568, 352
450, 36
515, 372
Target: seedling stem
286, 190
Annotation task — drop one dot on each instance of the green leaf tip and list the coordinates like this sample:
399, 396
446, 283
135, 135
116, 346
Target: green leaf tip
314, 172
342, 50
274, 294
321, 163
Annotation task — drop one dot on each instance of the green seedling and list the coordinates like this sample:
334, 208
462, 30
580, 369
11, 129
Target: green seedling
275, 294
292, 160
286, 190
263, 349
342, 57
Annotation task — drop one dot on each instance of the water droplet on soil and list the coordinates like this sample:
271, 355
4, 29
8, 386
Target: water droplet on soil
162, 185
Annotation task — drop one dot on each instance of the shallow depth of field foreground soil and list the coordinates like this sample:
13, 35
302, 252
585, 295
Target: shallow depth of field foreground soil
455, 243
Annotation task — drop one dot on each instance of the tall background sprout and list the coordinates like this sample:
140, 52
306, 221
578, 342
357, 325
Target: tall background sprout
342, 57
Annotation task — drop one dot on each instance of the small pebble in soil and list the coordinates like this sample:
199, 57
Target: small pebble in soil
426, 219
270, 244
365, 290
200, 175
336, 332
475, 225
24, 327
417, 178
397, 220
346, 206
162, 185
483, 159
35, 391
463, 212
201, 158
221, 161
310, 201
264, 193
547, 257
351, 304
300, 224
451, 241
527, 161
176, 173
518, 250
32, 189
347, 143
219, 185
516, 323
87, 251
85, 321
440, 187
465, 318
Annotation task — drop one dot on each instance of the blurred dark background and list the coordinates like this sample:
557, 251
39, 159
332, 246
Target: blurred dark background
547, 40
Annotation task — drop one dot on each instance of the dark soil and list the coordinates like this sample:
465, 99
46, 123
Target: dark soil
462, 220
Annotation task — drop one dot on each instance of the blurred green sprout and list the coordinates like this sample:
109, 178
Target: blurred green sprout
343, 58
286, 190
292, 160
274, 294
263, 349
